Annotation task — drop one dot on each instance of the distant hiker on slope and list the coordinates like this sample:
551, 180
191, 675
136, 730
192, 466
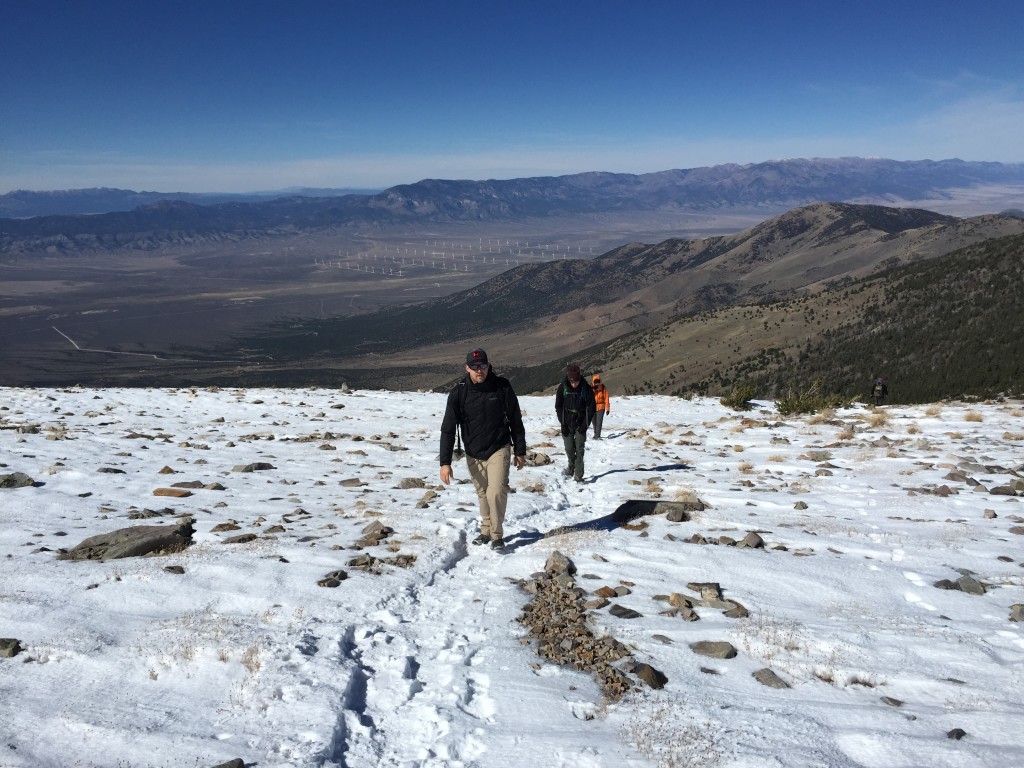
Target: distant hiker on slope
602, 404
574, 405
879, 390
486, 409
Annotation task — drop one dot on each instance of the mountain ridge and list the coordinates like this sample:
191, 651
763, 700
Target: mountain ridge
770, 187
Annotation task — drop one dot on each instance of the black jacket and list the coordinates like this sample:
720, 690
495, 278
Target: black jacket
489, 415
574, 406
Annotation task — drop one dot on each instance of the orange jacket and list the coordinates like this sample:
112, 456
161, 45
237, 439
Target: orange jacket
602, 400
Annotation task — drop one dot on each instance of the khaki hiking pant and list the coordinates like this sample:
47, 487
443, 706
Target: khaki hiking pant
490, 478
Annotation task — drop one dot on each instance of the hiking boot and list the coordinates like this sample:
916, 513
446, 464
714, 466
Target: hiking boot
568, 472
483, 538
498, 545
578, 479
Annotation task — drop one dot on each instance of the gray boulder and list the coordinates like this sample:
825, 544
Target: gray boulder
767, 677
138, 541
674, 511
714, 649
9, 647
16, 480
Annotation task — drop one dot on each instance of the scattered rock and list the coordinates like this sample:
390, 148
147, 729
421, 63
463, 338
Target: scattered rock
1017, 612
674, 511
9, 647
559, 563
332, 579
622, 612
970, 585
259, 466
769, 678
244, 538
737, 611
891, 701
175, 569
178, 493
715, 649
752, 540
16, 480
956, 734
654, 678
709, 590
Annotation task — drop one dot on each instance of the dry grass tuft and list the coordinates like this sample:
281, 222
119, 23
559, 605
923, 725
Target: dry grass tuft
764, 636
251, 659
878, 419
823, 416
862, 680
671, 734
973, 416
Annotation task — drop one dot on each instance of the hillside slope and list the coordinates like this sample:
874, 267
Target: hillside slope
938, 328
558, 308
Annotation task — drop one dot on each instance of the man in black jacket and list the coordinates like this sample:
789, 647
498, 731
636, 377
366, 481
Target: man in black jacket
574, 404
486, 409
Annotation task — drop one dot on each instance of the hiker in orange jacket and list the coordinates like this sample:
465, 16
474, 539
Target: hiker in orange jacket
602, 401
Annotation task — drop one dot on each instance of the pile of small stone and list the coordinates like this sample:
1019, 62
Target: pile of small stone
752, 540
966, 583
373, 534
556, 618
375, 565
710, 597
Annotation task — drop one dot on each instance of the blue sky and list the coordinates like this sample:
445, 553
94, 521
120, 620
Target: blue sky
209, 95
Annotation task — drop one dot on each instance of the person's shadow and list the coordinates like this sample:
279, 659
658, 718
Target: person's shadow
662, 468
624, 513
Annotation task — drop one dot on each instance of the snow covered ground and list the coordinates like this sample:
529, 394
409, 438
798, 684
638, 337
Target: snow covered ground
241, 655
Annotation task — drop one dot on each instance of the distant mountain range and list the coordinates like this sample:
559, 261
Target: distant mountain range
22, 203
771, 187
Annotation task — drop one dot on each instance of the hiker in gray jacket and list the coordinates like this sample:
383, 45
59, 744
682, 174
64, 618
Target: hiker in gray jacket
574, 405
